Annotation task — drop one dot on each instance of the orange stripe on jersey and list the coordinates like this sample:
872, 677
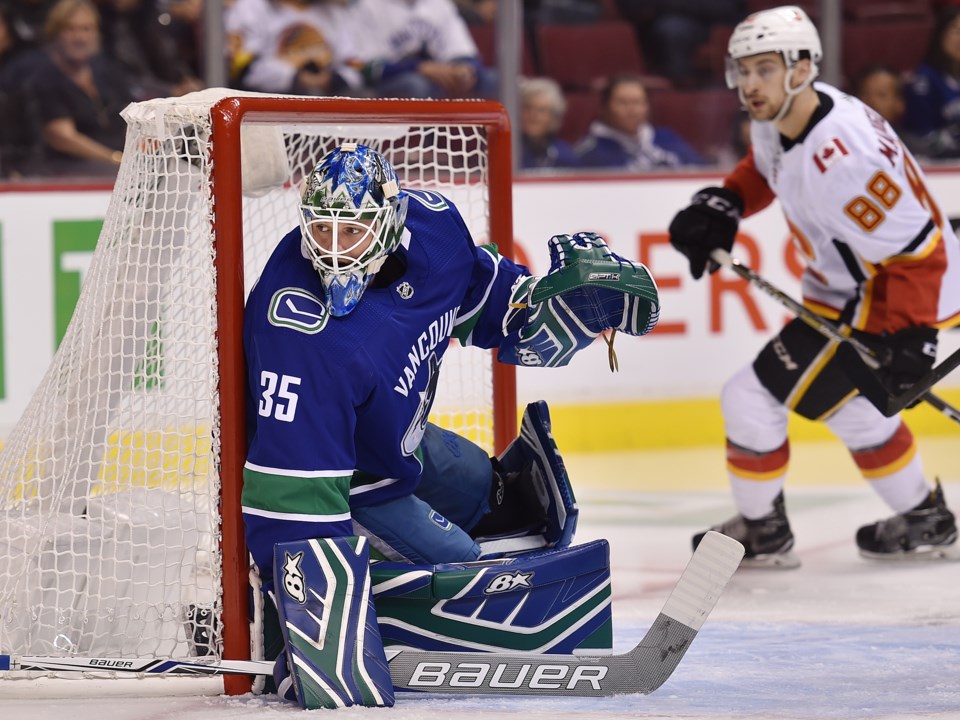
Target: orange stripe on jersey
906, 291
757, 466
886, 459
749, 184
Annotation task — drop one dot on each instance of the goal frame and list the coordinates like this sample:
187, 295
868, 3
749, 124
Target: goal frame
227, 116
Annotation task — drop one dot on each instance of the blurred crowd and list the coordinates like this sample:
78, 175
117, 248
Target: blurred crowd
623, 85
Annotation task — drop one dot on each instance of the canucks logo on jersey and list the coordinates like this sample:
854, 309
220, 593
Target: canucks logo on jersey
298, 310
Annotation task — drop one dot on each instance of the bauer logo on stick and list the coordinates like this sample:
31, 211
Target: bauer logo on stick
293, 581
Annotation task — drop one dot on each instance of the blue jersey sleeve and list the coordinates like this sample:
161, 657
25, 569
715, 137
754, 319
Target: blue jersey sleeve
480, 321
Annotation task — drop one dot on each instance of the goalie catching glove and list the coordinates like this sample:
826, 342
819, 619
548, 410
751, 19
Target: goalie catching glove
588, 290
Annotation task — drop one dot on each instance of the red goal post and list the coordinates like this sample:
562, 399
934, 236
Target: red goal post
120, 485
227, 117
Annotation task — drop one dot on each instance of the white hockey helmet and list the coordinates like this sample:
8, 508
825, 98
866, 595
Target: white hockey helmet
786, 30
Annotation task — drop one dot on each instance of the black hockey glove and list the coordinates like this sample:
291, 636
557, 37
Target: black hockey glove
905, 356
913, 353
708, 223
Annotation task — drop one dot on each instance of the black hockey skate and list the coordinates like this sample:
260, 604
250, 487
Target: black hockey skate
767, 541
928, 532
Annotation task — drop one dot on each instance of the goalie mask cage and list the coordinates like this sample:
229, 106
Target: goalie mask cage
120, 529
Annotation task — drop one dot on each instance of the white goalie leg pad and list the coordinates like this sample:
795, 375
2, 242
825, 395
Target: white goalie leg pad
535, 461
329, 623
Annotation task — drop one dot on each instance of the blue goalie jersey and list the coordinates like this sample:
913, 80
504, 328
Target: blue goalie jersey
337, 407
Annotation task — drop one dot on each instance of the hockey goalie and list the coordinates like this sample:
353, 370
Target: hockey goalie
344, 336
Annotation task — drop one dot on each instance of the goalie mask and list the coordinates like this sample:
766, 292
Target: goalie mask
785, 30
352, 214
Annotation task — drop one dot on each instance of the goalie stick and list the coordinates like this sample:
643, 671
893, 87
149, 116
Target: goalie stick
858, 359
641, 670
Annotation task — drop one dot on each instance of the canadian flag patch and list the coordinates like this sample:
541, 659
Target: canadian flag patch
828, 153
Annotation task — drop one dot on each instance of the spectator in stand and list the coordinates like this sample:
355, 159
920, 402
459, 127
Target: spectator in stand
477, 12
242, 21
183, 20
933, 92
542, 107
146, 48
27, 18
622, 136
881, 88
670, 32
79, 94
418, 49
18, 56
19, 143
301, 47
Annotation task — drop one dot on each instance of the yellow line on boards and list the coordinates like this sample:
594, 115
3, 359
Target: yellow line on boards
613, 427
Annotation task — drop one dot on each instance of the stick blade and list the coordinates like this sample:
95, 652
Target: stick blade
710, 568
716, 559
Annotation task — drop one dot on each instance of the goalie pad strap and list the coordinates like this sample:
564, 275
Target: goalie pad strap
329, 623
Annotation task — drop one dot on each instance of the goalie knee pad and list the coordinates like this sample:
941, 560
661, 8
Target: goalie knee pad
329, 624
533, 473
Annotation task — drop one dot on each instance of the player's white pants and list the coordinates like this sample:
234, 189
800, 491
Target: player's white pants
758, 448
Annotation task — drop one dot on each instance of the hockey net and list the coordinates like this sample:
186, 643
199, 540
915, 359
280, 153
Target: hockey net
119, 487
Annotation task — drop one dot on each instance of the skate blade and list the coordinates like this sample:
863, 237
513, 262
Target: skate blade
773, 561
926, 553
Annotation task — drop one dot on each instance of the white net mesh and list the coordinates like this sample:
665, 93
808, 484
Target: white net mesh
109, 484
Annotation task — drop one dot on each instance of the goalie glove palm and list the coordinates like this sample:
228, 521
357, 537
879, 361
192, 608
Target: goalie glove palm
603, 290
588, 289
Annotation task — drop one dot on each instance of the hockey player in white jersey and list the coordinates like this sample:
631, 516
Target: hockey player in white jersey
880, 258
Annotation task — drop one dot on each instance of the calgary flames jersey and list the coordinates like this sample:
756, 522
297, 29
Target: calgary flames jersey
875, 242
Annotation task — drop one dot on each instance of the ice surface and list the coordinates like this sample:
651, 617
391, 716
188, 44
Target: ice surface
840, 637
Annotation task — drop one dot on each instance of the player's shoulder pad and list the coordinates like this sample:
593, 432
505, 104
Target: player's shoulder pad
429, 199
424, 203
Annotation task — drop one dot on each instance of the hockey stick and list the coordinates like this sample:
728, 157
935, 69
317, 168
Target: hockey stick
858, 359
872, 388
641, 670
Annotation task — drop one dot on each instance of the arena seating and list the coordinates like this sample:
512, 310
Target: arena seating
582, 57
